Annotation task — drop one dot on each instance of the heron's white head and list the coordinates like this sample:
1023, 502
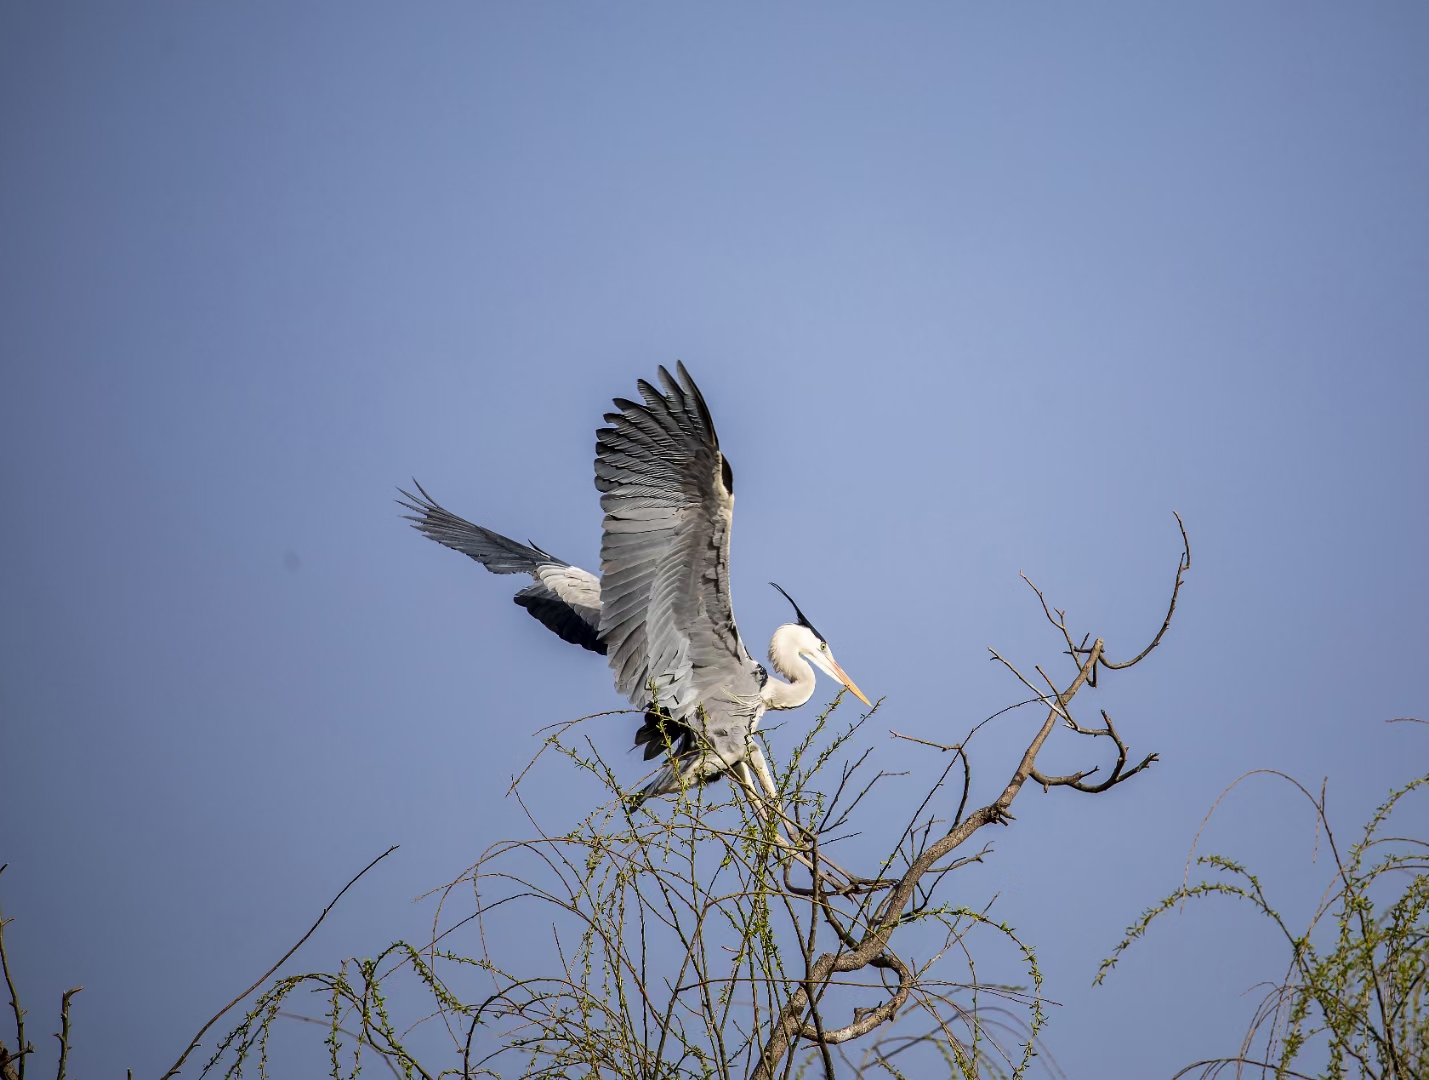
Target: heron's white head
801, 640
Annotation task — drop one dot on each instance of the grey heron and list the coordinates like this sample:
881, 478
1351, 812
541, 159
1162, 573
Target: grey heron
661, 610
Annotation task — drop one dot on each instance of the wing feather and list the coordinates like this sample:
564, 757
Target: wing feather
666, 616
565, 598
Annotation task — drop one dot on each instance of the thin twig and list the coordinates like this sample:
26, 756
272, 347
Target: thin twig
350, 1034
1182, 566
173, 1071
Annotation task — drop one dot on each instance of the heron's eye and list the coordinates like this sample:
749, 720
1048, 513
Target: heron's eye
823, 646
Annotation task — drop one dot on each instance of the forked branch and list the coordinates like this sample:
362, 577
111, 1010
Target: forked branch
870, 947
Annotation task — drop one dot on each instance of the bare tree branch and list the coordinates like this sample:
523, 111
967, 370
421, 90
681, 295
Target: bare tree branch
22, 1048
63, 1033
1181, 568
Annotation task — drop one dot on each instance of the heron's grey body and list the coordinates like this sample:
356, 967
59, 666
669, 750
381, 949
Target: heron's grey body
661, 609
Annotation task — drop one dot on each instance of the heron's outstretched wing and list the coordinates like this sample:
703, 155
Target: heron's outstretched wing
564, 598
666, 618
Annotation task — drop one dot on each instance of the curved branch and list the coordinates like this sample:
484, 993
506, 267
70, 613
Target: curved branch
865, 1020
1074, 780
1182, 566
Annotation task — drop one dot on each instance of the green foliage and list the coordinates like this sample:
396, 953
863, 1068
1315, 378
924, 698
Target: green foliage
710, 935
1353, 997
677, 934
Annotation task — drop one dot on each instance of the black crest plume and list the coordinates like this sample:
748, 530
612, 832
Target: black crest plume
803, 619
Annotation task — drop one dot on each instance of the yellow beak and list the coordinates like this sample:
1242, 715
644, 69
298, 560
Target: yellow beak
843, 678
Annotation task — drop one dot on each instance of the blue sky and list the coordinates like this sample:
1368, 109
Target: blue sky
969, 289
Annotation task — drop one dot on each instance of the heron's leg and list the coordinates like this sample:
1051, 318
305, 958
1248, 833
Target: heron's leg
761, 810
761, 769
741, 772
766, 781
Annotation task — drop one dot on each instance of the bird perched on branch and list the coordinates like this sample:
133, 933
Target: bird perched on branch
661, 609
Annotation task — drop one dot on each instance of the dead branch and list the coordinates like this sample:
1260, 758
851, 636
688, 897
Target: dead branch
1074, 781
63, 1034
22, 1048
1181, 568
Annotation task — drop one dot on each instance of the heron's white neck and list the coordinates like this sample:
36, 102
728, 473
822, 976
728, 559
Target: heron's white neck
784, 655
